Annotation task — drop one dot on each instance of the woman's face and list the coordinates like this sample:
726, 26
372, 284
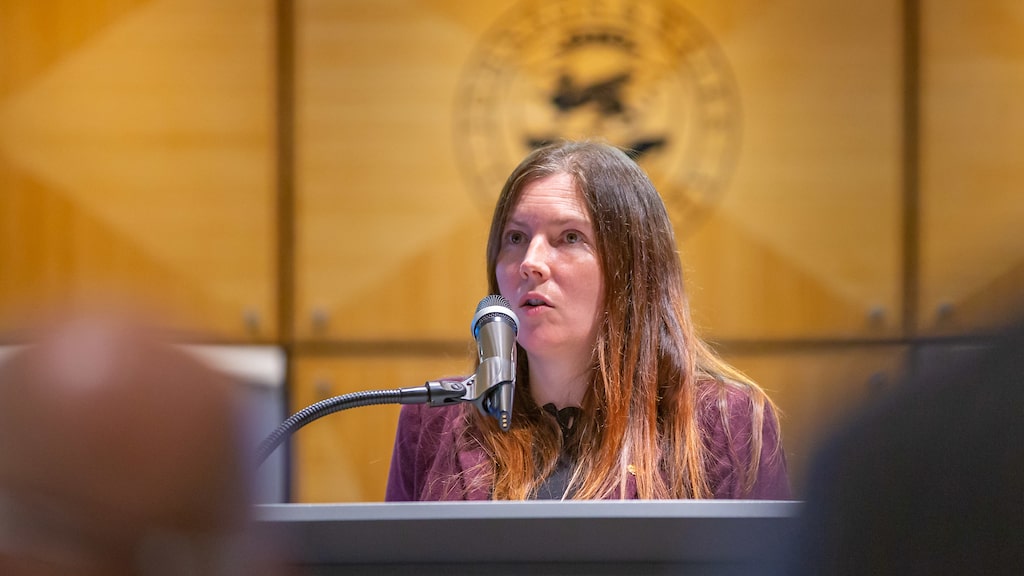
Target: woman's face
549, 270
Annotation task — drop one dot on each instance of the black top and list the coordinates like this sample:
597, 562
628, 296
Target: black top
555, 485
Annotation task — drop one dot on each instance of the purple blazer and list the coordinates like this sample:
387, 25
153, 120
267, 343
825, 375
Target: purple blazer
432, 461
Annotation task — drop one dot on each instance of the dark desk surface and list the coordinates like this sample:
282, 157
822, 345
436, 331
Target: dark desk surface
597, 537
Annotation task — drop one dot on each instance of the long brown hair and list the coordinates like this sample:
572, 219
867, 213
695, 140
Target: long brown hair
651, 371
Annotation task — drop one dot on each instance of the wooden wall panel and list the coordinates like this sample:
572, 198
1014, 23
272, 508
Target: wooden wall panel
817, 390
806, 242
811, 203
972, 251
136, 161
345, 457
389, 243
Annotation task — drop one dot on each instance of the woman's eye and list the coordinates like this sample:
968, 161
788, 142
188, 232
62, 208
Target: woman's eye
515, 238
572, 237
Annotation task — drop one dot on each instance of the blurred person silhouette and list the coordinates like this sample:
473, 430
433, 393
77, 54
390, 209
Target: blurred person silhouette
119, 454
928, 481
616, 394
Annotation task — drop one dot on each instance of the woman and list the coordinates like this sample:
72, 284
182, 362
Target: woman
616, 395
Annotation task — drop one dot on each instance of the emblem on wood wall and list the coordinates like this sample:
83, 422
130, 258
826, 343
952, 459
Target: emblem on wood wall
645, 76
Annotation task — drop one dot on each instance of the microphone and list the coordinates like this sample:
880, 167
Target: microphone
494, 328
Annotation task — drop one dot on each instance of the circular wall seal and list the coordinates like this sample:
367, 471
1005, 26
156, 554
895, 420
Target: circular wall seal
645, 76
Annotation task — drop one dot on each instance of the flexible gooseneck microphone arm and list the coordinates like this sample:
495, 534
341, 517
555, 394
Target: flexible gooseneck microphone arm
439, 393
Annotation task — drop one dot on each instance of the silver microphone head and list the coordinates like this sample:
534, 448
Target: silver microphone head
494, 304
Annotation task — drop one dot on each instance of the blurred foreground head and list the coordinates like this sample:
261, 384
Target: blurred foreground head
119, 454
929, 480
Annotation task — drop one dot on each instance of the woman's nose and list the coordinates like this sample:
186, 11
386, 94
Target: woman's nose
535, 261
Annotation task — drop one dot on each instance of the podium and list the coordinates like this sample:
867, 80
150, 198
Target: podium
711, 537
